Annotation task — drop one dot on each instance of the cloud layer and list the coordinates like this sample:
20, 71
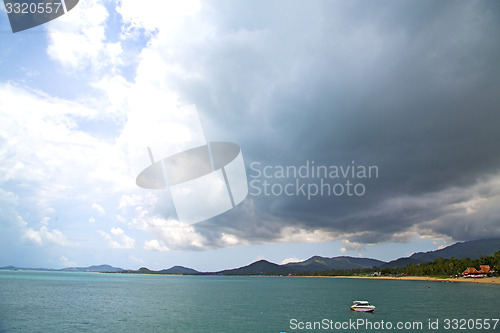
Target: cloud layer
410, 87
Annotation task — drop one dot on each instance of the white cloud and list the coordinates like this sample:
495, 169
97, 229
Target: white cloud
154, 245
66, 159
229, 240
119, 218
9, 200
289, 260
156, 14
120, 239
65, 262
126, 241
149, 199
78, 39
174, 234
70, 163
104, 235
44, 236
12, 219
27, 117
351, 246
98, 208
116, 89
292, 234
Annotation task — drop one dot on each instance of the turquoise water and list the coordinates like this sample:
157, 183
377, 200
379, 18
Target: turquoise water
92, 302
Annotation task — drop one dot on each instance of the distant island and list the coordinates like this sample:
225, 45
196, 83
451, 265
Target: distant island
450, 261
93, 269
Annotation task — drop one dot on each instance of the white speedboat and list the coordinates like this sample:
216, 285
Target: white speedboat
362, 306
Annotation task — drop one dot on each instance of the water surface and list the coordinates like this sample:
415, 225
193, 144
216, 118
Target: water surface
93, 302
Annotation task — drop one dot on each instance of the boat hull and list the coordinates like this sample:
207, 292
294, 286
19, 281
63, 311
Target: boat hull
363, 308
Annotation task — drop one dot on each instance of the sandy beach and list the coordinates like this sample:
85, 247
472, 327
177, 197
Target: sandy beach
491, 280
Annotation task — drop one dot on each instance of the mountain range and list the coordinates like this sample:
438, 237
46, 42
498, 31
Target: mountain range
470, 249
95, 269
99, 269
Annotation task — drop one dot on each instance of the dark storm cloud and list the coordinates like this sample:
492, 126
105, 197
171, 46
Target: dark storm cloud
409, 86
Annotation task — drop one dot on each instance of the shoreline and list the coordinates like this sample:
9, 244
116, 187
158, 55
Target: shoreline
489, 280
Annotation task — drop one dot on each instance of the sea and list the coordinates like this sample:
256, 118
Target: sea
34, 301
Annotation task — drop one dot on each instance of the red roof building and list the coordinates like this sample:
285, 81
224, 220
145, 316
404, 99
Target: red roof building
485, 269
470, 270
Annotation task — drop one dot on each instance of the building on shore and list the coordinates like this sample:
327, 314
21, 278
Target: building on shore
472, 272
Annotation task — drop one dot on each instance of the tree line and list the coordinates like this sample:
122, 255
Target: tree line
438, 267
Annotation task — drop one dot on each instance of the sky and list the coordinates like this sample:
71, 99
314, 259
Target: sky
397, 100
